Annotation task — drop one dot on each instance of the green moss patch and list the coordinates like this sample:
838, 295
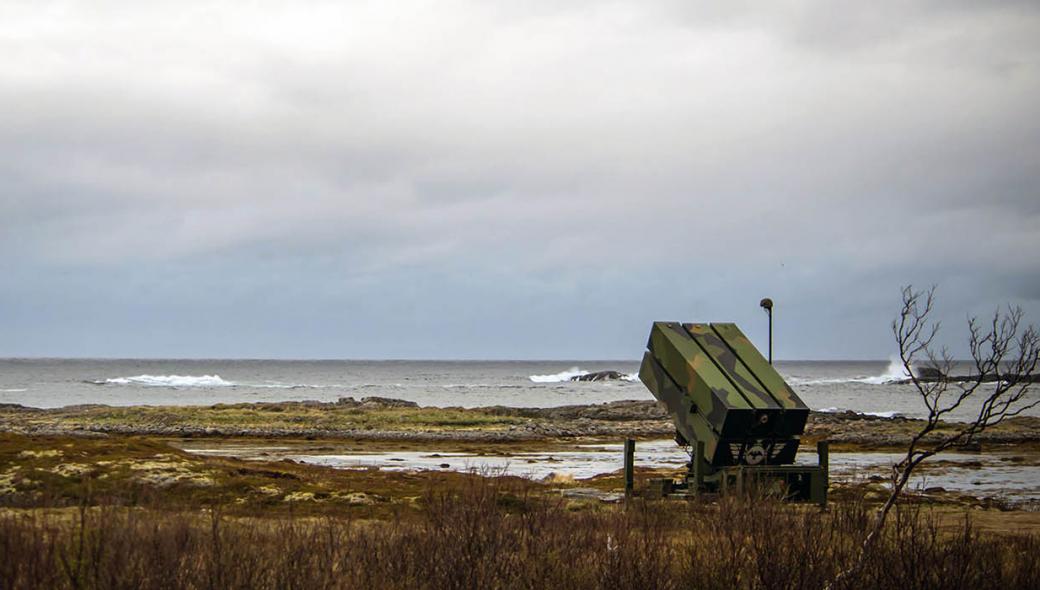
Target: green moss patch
40, 471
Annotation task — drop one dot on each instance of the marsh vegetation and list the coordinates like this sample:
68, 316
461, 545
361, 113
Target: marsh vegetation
500, 533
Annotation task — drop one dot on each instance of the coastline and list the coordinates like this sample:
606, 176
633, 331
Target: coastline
269, 460
385, 419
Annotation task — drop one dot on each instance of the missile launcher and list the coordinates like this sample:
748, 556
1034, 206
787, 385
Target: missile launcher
730, 406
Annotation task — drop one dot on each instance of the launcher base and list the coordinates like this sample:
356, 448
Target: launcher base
796, 483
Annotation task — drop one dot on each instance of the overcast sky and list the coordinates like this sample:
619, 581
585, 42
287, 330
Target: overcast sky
508, 179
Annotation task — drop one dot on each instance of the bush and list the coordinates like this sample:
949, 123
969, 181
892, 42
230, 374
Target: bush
494, 534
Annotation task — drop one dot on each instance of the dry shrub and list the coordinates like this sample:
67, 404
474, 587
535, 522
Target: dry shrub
496, 534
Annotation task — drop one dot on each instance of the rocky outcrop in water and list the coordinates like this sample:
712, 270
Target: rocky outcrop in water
600, 376
934, 375
376, 402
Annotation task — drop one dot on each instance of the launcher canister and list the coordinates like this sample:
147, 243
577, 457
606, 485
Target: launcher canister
722, 392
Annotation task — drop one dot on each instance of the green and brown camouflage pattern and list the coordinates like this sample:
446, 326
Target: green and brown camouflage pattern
695, 374
758, 365
721, 391
751, 373
689, 424
746, 383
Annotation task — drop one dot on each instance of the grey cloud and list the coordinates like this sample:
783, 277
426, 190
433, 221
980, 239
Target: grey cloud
556, 165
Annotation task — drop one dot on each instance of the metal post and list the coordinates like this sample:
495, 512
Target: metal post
767, 304
823, 479
630, 451
698, 466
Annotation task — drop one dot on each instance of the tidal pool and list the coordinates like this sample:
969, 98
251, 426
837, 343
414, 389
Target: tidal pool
978, 474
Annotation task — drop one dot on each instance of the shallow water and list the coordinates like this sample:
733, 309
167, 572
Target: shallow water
955, 472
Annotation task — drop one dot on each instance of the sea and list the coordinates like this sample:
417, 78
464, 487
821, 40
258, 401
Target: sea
868, 387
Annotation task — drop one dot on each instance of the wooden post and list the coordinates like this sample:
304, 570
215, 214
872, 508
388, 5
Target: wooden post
630, 451
698, 467
823, 479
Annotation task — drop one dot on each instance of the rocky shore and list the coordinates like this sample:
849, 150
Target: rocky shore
387, 419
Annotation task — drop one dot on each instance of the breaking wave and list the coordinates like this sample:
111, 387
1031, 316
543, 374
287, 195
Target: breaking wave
203, 381
170, 381
559, 377
893, 373
571, 373
12, 390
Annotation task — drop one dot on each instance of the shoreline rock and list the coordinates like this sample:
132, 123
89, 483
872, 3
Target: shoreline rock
619, 419
600, 376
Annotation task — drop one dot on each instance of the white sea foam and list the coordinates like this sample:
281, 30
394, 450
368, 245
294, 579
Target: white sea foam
559, 377
170, 381
893, 373
12, 390
203, 381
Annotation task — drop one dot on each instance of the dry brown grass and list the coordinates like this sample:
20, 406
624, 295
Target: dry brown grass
492, 533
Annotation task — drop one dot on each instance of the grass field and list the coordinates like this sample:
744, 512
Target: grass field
137, 512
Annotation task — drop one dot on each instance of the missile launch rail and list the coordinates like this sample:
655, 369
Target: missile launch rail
737, 417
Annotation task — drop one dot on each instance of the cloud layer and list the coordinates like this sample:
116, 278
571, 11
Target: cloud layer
497, 180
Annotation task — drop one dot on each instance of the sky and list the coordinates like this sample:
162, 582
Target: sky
500, 180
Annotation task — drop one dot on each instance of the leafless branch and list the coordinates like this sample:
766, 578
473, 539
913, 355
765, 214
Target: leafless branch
1004, 356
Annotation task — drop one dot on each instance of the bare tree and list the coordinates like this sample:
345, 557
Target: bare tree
1004, 359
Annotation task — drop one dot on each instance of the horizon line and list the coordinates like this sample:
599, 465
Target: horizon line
392, 359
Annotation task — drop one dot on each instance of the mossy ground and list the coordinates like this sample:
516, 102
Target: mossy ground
274, 416
380, 419
55, 471
41, 472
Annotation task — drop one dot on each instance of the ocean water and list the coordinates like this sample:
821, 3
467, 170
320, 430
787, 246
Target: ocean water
861, 386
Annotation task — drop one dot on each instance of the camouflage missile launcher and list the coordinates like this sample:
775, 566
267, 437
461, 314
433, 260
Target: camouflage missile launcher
730, 406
